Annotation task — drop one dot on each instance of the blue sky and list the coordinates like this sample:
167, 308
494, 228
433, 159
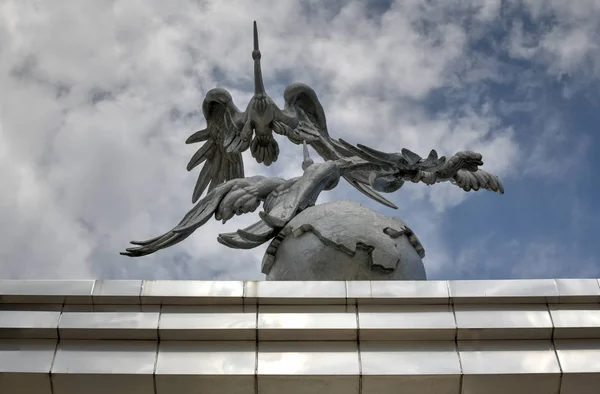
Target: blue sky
97, 101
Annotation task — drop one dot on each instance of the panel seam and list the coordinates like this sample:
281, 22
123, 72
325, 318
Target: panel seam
360, 371
160, 312
462, 374
560, 379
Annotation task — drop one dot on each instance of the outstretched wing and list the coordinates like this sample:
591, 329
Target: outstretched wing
462, 169
303, 119
468, 180
220, 165
248, 238
225, 200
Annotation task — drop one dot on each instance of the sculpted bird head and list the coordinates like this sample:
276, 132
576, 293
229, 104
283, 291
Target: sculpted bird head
307, 162
220, 95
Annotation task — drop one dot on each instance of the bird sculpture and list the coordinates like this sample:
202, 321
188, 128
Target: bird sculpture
229, 132
283, 199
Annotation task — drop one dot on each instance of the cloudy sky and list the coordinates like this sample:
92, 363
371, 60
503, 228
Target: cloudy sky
98, 97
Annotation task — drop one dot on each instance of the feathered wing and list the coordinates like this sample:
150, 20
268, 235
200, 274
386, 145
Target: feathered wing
285, 201
250, 237
303, 119
223, 201
220, 163
468, 180
462, 169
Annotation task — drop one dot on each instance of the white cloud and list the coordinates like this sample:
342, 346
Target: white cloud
554, 260
488, 257
98, 98
558, 151
565, 41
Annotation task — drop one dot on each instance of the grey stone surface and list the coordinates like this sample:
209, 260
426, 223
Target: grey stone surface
344, 241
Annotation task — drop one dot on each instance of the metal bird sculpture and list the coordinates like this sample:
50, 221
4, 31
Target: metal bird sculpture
229, 132
283, 199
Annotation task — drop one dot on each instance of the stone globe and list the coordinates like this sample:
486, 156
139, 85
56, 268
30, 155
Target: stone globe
343, 240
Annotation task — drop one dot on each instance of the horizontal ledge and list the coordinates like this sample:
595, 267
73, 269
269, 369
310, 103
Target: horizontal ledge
169, 292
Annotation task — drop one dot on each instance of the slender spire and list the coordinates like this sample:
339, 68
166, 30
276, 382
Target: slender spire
259, 87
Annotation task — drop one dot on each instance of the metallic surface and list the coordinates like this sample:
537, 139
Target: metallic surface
47, 291
509, 367
406, 322
206, 367
430, 367
408, 292
25, 365
580, 363
308, 367
26, 355
513, 291
108, 325
318, 323
576, 320
208, 326
29, 324
104, 367
300, 337
94, 356
117, 292
181, 292
298, 292
521, 321
578, 290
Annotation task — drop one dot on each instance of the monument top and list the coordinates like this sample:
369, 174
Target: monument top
230, 131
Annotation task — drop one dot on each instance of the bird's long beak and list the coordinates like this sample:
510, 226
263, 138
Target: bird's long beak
307, 162
259, 87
